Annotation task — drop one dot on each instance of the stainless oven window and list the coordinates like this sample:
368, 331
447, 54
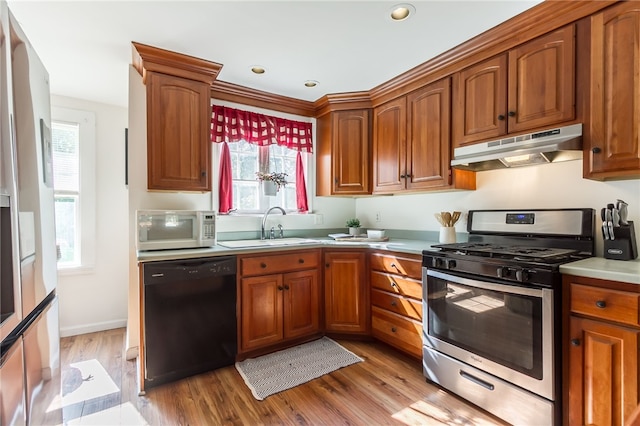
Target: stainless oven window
498, 325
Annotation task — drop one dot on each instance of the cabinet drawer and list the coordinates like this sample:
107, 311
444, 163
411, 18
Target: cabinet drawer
399, 332
400, 305
402, 265
395, 284
614, 305
275, 263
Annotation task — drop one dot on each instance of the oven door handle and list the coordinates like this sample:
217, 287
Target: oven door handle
485, 285
476, 380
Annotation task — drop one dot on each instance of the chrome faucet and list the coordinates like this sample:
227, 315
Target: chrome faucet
264, 220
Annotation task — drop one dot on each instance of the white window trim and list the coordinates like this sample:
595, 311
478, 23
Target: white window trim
87, 194
215, 161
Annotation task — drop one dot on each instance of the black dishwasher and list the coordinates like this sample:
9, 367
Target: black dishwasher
189, 317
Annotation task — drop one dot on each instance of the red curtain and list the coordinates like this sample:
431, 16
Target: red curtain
225, 189
301, 187
233, 125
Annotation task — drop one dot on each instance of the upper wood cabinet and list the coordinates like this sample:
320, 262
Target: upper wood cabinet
612, 145
178, 118
178, 128
530, 86
343, 153
412, 145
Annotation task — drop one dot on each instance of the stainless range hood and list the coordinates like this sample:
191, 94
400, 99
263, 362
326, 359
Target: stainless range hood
547, 146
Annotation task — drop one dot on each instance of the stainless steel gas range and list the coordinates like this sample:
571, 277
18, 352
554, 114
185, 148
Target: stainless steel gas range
491, 320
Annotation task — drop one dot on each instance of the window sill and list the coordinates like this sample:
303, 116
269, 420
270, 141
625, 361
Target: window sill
76, 270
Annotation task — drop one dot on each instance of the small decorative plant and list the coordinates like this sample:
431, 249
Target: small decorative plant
279, 179
353, 223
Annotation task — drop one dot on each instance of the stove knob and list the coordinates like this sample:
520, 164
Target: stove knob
522, 275
451, 264
436, 262
500, 272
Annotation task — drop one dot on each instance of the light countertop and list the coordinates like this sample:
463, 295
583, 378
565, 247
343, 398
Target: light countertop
597, 267
394, 244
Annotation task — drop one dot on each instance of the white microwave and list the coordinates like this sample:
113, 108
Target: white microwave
175, 229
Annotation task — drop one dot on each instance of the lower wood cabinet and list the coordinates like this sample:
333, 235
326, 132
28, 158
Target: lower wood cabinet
279, 298
346, 295
601, 351
396, 300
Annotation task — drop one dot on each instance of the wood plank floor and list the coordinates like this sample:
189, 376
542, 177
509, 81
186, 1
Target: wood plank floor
99, 387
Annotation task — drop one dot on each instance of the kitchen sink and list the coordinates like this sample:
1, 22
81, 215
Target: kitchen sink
293, 241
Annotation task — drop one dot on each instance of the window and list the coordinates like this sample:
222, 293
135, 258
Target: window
73, 146
246, 160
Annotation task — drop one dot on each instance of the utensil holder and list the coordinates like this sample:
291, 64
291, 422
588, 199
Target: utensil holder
624, 246
447, 235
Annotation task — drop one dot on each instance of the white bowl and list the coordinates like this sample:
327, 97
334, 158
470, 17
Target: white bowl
375, 233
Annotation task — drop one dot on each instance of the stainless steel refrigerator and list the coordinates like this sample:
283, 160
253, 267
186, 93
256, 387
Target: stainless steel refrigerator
29, 326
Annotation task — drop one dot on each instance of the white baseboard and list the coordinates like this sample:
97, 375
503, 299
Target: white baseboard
92, 328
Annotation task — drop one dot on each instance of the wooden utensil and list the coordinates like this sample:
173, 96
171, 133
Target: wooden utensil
446, 218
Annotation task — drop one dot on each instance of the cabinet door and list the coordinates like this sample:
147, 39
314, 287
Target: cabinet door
351, 152
614, 145
301, 303
480, 101
261, 302
429, 144
178, 141
389, 146
603, 372
542, 81
345, 292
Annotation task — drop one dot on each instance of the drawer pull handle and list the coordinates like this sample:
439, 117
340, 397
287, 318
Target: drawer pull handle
601, 304
393, 329
393, 303
263, 265
575, 342
300, 260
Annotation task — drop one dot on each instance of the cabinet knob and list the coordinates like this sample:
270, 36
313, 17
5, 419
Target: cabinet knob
203, 174
393, 329
601, 304
596, 150
280, 288
326, 265
286, 287
263, 265
511, 113
403, 176
336, 180
575, 342
394, 284
501, 117
300, 260
393, 303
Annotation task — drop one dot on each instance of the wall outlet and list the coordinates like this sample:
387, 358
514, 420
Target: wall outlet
378, 217
318, 219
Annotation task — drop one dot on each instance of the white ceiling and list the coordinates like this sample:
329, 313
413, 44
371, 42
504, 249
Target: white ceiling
345, 46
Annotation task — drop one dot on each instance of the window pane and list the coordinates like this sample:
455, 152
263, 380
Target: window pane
245, 196
66, 211
66, 156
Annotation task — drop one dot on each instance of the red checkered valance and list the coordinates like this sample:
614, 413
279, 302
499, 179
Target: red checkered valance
233, 125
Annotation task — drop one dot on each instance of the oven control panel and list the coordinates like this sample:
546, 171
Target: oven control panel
521, 218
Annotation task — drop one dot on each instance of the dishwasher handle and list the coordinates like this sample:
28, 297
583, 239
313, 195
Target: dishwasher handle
172, 270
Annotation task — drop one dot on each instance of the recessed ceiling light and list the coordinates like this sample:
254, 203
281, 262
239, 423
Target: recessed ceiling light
401, 12
311, 83
257, 69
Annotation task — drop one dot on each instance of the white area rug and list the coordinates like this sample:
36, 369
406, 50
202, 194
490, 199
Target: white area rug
279, 371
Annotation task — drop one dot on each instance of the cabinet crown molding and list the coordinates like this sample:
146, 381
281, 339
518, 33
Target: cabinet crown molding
148, 58
342, 102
